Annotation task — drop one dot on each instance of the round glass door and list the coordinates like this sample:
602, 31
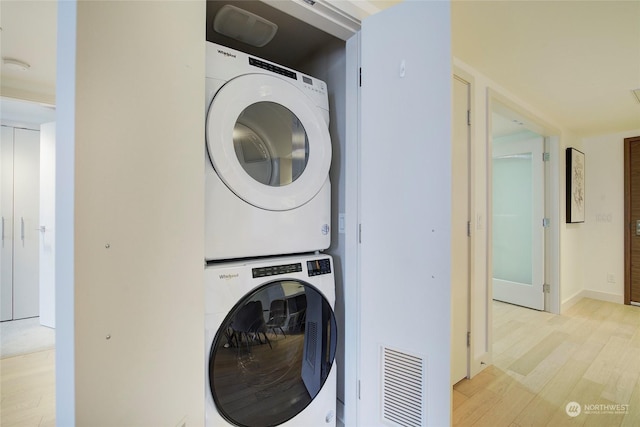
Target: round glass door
272, 354
268, 142
271, 144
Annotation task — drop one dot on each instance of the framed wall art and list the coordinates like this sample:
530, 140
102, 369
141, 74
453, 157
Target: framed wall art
575, 186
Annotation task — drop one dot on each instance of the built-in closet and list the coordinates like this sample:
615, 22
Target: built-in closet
20, 184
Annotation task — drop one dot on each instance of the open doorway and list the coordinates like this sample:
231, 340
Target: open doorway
525, 207
518, 213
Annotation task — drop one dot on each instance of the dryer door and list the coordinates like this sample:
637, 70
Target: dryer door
268, 142
272, 354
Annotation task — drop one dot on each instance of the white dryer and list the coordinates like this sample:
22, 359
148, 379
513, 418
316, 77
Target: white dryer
270, 342
269, 152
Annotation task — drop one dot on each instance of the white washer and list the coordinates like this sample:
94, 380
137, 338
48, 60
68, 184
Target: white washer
270, 342
269, 152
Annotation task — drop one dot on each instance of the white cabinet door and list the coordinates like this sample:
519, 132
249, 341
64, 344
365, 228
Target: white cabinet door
405, 216
6, 207
26, 212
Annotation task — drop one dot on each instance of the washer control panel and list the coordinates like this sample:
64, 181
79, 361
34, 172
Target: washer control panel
314, 268
319, 266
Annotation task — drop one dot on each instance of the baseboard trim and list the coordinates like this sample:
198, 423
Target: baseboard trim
587, 293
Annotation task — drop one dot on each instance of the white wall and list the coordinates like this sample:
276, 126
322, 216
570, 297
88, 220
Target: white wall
603, 229
571, 238
47, 219
130, 285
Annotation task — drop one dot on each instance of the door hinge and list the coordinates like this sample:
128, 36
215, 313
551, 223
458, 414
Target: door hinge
468, 117
358, 389
546, 157
468, 228
546, 288
360, 77
468, 339
359, 233
546, 222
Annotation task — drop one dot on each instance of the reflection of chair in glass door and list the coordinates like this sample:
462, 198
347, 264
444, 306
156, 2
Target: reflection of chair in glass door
296, 308
249, 322
277, 317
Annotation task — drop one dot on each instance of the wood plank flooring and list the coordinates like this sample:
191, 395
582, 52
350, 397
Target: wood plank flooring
541, 362
27, 389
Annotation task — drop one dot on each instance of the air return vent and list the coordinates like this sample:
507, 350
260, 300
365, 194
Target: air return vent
403, 388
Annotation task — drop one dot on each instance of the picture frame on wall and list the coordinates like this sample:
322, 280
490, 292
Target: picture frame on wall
575, 185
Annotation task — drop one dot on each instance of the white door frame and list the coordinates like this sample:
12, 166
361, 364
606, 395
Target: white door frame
462, 77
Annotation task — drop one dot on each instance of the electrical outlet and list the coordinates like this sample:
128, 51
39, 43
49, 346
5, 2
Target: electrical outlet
611, 278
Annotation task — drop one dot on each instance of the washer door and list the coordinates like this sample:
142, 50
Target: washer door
272, 354
268, 142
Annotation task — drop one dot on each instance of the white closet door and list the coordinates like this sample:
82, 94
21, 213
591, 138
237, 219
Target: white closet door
405, 201
26, 212
6, 208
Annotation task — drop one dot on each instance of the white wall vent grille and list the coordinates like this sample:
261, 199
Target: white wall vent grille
403, 388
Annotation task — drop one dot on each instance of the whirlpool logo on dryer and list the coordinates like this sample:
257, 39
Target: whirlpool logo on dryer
229, 54
229, 276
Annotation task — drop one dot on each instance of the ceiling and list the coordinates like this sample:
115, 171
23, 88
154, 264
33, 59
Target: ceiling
575, 61
29, 34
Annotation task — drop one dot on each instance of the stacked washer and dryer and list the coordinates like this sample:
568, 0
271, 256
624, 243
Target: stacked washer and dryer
270, 328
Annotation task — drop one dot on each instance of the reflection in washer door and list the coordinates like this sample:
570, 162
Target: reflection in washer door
272, 354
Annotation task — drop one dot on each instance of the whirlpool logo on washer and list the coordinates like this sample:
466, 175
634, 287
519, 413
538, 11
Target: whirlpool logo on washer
229, 54
228, 276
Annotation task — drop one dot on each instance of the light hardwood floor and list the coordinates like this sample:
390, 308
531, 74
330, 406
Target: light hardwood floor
27, 387
541, 362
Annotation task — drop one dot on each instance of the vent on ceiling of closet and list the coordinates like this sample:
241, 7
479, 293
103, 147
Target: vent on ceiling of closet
403, 388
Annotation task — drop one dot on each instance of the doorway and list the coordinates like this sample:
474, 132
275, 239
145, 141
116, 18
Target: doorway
632, 218
507, 119
518, 212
